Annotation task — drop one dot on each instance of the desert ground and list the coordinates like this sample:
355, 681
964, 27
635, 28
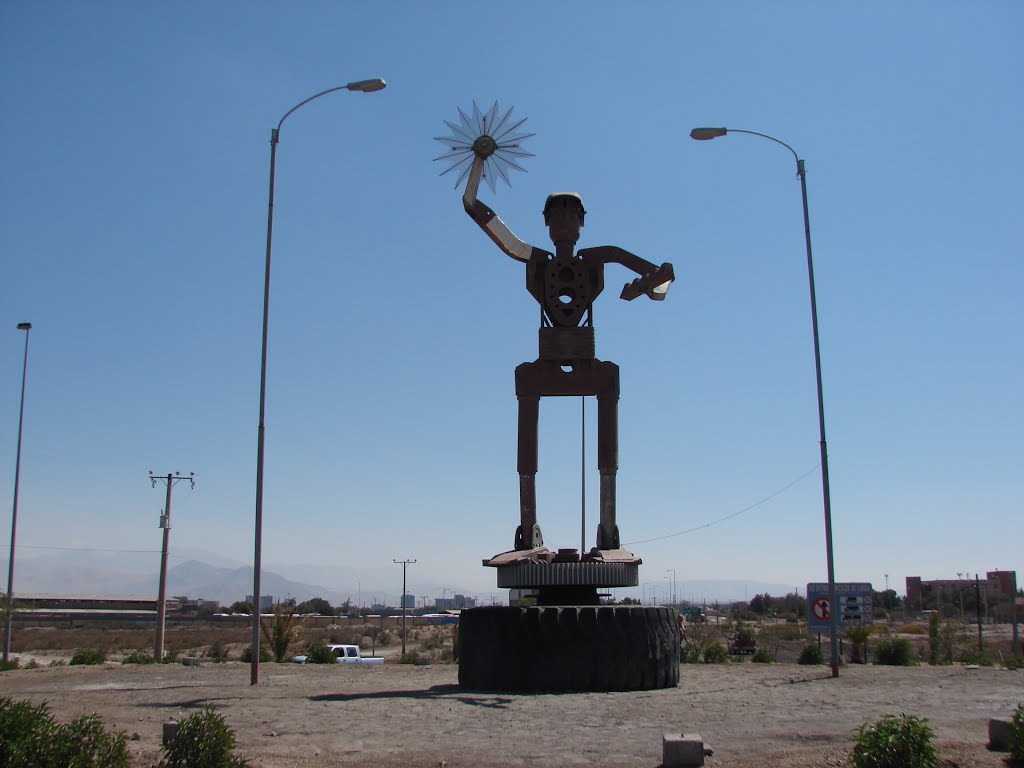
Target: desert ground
417, 715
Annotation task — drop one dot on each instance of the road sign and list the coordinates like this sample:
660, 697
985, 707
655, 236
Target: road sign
820, 609
853, 603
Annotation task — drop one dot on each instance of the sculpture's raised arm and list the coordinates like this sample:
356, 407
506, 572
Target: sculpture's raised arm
654, 281
488, 220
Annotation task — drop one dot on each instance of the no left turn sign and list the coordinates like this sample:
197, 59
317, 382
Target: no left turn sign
821, 608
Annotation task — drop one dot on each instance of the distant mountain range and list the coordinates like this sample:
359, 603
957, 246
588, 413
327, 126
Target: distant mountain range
77, 572
53, 575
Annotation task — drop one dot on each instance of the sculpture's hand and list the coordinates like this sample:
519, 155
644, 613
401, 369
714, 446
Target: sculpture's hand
654, 284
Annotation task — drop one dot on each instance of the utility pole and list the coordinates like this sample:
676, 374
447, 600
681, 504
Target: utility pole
977, 610
165, 523
1015, 642
405, 564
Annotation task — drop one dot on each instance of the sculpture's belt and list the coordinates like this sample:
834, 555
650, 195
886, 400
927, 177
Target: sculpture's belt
560, 344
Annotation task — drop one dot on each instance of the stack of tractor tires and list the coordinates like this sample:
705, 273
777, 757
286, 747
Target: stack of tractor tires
568, 648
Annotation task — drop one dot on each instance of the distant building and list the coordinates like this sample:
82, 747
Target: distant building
456, 603
29, 602
266, 602
409, 601
925, 595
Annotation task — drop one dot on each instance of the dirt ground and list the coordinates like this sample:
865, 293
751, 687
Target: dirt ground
402, 715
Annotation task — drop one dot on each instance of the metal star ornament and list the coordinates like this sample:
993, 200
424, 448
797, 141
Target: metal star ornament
497, 140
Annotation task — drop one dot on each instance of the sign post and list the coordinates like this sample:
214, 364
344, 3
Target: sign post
853, 600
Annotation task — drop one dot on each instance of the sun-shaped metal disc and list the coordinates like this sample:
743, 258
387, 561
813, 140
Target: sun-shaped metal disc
495, 139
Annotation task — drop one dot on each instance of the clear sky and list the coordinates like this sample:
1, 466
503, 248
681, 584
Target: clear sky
134, 158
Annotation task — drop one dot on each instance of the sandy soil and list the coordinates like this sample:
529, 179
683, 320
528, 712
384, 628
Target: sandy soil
400, 715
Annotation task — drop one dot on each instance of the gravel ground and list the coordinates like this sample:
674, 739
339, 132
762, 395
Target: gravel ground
400, 715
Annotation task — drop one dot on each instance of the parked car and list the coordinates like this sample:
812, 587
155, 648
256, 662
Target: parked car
346, 654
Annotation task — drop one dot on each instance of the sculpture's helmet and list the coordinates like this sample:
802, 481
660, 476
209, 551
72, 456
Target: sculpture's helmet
564, 214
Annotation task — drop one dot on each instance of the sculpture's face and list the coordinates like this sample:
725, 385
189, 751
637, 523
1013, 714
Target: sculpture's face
563, 213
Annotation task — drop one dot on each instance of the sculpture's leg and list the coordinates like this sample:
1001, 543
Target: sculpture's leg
608, 454
528, 533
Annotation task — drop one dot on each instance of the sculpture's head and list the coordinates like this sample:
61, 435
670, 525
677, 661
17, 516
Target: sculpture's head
563, 214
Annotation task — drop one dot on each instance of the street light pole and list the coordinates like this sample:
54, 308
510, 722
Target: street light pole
9, 607
365, 86
703, 134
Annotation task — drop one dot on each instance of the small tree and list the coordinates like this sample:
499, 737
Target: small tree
857, 634
241, 606
317, 605
284, 628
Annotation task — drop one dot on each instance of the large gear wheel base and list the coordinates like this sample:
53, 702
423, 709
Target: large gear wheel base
568, 648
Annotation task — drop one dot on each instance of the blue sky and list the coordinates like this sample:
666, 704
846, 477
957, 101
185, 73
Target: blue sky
133, 182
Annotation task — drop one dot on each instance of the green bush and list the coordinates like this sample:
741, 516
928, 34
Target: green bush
217, 652
715, 653
1013, 662
894, 652
87, 656
246, 654
408, 658
31, 738
138, 657
976, 657
319, 653
203, 740
1017, 734
811, 654
7, 666
895, 742
761, 656
690, 655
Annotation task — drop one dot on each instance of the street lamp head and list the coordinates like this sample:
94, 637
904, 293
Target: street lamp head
24, 326
367, 86
703, 134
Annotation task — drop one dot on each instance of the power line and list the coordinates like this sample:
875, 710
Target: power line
734, 514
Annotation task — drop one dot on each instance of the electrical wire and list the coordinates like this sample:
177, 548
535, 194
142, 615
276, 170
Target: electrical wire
781, 490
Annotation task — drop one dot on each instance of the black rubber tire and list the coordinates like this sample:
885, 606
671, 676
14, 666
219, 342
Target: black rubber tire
568, 648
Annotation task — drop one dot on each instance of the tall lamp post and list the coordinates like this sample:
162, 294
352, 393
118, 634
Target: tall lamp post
9, 612
703, 134
365, 86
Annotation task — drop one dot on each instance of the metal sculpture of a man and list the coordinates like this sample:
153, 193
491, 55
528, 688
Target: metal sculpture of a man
565, 284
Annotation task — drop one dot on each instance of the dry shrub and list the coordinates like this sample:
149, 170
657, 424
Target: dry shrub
119, 639
911, 629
